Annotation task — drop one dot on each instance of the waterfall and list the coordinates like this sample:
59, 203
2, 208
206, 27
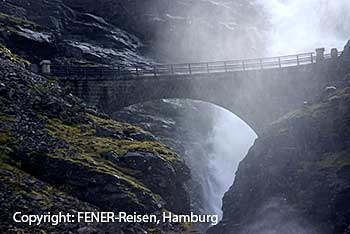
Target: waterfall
302, 26
231, 140
295, 26
228, 143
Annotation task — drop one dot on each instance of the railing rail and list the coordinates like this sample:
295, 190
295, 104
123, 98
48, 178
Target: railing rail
189, 68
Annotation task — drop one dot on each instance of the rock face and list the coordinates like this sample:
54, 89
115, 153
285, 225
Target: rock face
180, 125
192, 30
127, 33
295, 179
51, 30
185, 126
56, 153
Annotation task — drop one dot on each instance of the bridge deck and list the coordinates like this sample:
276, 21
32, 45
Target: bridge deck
189, 68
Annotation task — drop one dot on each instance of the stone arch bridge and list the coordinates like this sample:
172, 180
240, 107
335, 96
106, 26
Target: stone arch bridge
259, 91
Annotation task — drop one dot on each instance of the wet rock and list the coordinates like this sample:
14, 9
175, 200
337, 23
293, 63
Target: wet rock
35, 36
65, 35
111, 156
106, 132
138, 160
51, 137
346, 51
142, 136
295, 175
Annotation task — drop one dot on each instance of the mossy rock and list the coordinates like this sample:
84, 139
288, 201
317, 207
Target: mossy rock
6, 118
13, 20
13, 57
335, 159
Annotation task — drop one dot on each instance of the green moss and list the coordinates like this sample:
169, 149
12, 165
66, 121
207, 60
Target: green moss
90, 145
337, 160
15, 179
40, 88
119, 126
106, 169
314, 111
154, 230
6, 118
13, 57
151, 147
12, 20
11, 29
189, 228
318, 110
4, 138
85, 149
344, 92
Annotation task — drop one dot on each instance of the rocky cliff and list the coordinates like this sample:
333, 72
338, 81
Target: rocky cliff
184, 127
295, 179
56, 154
187, 30
51, 30
126, 33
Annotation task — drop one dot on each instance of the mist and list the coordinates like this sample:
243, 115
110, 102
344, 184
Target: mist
294, 26
277, 216
230, 141
208, 30
211, 30
297, 26
216, 160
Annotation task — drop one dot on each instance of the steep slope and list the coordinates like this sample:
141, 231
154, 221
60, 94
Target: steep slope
184, 127
58, 154
126, 33
295, 179
187, 30
39, 29
208, 150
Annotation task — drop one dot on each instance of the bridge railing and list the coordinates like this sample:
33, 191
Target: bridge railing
189, 68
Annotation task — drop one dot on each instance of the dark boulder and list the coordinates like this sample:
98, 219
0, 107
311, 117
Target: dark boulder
295, 179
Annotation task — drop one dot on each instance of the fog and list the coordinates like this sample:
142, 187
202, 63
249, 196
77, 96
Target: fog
294, 26
209, 30
231, 139
297, 26
275, 217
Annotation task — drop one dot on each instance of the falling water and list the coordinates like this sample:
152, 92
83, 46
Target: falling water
231, 139
303, 25
295, 26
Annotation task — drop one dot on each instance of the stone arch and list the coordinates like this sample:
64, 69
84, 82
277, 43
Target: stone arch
257, 97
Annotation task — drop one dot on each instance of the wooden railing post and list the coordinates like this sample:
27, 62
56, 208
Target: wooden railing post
279, 62
190, 69
298, 62
312, 58
137, 71
319, 55
243, 64
154, 70
172, 69
208, 71
261, 64
225, 65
